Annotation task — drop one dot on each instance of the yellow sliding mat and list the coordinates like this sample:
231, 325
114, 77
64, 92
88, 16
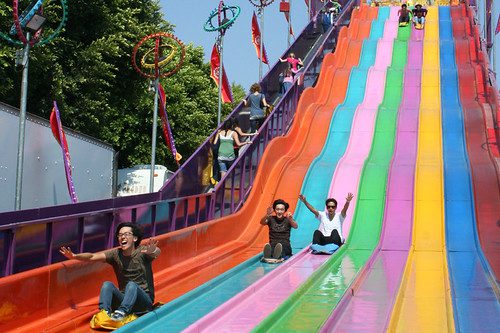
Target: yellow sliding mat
423, 303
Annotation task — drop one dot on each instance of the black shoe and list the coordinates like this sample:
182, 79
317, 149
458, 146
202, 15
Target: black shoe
267, 251
118, 315
277, 251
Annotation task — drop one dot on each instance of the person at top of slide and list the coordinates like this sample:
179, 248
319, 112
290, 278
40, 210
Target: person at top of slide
294, 62
404, 15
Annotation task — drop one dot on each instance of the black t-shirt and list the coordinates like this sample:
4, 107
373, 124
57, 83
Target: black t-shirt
279, 232
419, 12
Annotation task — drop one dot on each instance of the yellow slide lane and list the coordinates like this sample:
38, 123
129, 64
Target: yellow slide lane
423, 303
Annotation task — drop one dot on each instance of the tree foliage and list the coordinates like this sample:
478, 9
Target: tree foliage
88, 71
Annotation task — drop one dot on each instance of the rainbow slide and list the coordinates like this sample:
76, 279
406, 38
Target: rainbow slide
398, 118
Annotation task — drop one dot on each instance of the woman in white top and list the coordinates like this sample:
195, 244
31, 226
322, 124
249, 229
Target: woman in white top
330, 227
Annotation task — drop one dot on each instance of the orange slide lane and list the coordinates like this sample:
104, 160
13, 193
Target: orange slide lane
62, 297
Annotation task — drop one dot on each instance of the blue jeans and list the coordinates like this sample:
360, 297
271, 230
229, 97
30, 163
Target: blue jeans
134, 300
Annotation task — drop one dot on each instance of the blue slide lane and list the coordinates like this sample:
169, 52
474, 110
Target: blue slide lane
475, 305
185, 310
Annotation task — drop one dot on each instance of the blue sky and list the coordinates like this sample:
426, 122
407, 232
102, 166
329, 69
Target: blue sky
240, 60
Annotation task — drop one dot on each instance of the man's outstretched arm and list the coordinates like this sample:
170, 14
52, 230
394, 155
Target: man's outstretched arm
151, 248
87, 256
308, 205
346, 206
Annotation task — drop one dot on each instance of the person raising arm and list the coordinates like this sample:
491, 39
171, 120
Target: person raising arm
131, 263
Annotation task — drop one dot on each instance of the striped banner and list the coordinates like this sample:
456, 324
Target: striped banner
167, 132
58, 132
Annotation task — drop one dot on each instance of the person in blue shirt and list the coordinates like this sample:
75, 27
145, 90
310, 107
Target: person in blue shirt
257, 102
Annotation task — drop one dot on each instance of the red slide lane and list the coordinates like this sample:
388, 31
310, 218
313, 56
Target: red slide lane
62, 297
485, 179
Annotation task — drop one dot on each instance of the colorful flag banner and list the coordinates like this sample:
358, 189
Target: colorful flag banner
58, 132
227, 94
256, 40
287, 16
167, 132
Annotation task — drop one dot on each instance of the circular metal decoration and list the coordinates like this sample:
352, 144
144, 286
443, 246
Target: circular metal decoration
162, 59
261, 3
28, 13
223, 21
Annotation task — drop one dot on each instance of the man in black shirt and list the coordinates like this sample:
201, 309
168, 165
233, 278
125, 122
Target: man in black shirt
132, 266
280, 226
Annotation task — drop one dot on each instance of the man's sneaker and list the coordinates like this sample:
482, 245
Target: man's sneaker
118, 315
267, 251
277, 251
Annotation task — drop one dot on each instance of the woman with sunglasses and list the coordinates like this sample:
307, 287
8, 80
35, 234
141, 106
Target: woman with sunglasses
330, 223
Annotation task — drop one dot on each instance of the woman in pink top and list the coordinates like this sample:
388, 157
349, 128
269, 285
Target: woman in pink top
286, 80
294, 62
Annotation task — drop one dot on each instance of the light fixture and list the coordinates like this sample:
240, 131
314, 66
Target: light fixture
36, 22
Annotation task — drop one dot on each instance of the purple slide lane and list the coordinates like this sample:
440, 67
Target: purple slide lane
252, 305
369, 306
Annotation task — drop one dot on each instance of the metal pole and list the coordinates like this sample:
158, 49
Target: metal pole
22, 124
289, 23
308, 10
221, 50
261, 41
153, 137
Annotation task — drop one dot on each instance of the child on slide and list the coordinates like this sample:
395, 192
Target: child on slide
404, 16
328, 237
280, 225
419, 14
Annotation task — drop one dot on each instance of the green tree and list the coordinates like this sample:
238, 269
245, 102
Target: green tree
88, 71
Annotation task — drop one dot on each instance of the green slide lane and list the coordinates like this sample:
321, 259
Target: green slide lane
311, 304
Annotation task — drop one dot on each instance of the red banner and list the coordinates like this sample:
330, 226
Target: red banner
167, 132
287, 16
256, 39
58, 132
227, 94
497, 30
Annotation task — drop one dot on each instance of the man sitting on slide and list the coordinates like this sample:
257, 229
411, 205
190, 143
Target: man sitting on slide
419, 14
330, 226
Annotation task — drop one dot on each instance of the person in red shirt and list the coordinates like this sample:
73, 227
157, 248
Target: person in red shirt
294, 62
404, 14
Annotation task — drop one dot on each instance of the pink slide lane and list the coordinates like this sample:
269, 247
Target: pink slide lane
244, 311
348, 172
368, 307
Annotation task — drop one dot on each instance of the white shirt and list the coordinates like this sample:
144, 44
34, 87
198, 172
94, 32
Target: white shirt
326, 226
